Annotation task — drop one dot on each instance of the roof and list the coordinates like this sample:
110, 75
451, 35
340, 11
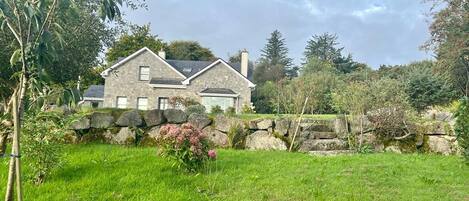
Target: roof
217, 91
94, 91
166, 81
190, 68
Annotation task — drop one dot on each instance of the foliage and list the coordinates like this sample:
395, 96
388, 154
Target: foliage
42, 143
262, 97
425, 88
353, 98
450, 41
462, 126
230, 111
195, 109
186, 146
188, 50
178, 101
237, 136
247, 109
127, 44
314, 65
216, 110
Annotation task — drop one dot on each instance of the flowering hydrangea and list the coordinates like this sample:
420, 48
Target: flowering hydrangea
187, 145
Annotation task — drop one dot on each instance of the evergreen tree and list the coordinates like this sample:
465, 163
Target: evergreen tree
274, 63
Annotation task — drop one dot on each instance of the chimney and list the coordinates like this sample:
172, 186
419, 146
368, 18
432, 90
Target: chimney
162, 54
244, 63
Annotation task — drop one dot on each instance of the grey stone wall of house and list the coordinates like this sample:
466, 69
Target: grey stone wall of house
124, 81
220, 76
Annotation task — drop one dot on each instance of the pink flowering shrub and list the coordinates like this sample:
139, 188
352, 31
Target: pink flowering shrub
187, 145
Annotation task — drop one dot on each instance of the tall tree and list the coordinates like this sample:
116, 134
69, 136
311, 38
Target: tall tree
188, 50
450, 41
129, 43
324, 48
274, 63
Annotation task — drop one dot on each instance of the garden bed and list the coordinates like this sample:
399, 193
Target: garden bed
109, 172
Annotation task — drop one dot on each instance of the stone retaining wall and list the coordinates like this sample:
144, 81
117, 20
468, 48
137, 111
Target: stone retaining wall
142, 128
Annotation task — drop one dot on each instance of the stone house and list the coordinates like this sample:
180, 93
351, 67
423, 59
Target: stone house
145, 80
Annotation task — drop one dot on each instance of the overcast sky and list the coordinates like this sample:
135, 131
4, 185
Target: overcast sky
374, 32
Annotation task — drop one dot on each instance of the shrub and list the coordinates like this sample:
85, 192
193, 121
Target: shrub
195, 109
248, 109
178, 101
216, 110
237, 136
230, 111
462, 126
42, 143
186, 145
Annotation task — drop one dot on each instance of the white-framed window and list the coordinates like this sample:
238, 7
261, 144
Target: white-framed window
144, 73
121, 102
163, 103
142, 103
223, 102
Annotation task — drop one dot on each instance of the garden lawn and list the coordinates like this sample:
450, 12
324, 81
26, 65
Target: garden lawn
107, 172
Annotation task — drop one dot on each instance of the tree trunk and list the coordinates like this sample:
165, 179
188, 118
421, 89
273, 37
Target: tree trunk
3, 143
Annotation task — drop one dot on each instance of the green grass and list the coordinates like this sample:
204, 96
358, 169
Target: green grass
106, 172
274, 116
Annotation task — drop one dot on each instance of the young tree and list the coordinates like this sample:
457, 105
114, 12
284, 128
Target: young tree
188, 50
34, 26
127, 44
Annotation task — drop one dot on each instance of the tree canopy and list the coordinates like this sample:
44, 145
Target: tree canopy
188, 50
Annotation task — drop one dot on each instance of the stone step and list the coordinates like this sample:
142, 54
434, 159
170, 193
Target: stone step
330, 153
323, 135
323, 145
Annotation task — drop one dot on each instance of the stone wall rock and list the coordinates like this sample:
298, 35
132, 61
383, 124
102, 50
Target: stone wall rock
81, 124
263, 140
445, 145
101, 120
175, 116
323, 145
282, 126
130, 119
215, 136
224, 123
154, 117
124, 137
199, 121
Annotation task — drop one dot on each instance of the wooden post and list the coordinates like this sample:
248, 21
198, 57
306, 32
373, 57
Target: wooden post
298, 124
15, 164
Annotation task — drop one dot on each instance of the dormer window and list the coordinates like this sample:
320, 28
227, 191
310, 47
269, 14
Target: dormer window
144, 73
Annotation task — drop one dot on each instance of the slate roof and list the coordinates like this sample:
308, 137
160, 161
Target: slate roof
94, 91
166, 81
189, 68
218, 91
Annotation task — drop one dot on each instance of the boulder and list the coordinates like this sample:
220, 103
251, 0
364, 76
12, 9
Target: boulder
175, 116
323, 145
263, 140
199, 121
282, 126
81, 124
215, 136
151, 137
125, 137
223, 123
264, 124
438, 128
316, 127
341, 127
154, 117
441, 144
101, 120
130, 119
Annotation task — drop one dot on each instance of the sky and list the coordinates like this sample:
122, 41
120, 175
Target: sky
374, 32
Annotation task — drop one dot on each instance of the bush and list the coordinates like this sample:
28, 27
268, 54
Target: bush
248, 109
216, 110
186, 145
462, 126
195, 109
178, 102
230, 111
42, 143
237, 136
